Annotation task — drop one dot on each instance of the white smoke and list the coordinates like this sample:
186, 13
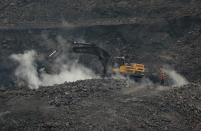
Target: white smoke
177, 79
144, 87
26, 72
67, 73
147, 87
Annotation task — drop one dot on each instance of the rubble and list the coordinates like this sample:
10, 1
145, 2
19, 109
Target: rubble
100, 104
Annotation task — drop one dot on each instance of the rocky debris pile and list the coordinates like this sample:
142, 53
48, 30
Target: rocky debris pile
186, 102
100, 104
70, 93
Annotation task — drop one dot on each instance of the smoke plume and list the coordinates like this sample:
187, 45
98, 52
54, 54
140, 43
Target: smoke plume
67, 73
27, 74
176, 78
26, 71
146, 87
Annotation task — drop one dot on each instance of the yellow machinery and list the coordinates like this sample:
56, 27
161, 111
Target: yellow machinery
119, 64
131, 69
110, 64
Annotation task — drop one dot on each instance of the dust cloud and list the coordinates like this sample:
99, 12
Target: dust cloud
176, 78
146, 87
67, 73
27, 73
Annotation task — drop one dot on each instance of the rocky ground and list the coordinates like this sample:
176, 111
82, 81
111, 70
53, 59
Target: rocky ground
101, 105
50, 13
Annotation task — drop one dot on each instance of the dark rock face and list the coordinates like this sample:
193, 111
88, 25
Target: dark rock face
101, 105
50, 13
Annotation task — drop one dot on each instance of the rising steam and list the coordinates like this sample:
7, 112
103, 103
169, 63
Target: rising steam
27, 74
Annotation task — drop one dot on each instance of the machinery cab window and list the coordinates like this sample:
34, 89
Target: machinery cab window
118, 61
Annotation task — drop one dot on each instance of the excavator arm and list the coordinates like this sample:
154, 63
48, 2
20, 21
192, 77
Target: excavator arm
102, 55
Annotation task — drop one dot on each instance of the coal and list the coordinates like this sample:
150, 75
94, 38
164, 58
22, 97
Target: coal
100, 104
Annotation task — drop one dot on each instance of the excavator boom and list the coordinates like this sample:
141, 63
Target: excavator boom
93, 50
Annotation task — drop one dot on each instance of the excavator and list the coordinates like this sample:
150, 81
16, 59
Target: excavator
111, 65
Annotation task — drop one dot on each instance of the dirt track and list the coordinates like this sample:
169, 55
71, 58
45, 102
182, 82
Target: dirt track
84, 23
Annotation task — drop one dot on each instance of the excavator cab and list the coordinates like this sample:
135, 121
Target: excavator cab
119, 65
118, 61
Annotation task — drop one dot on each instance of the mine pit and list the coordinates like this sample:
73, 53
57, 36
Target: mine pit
100, 65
